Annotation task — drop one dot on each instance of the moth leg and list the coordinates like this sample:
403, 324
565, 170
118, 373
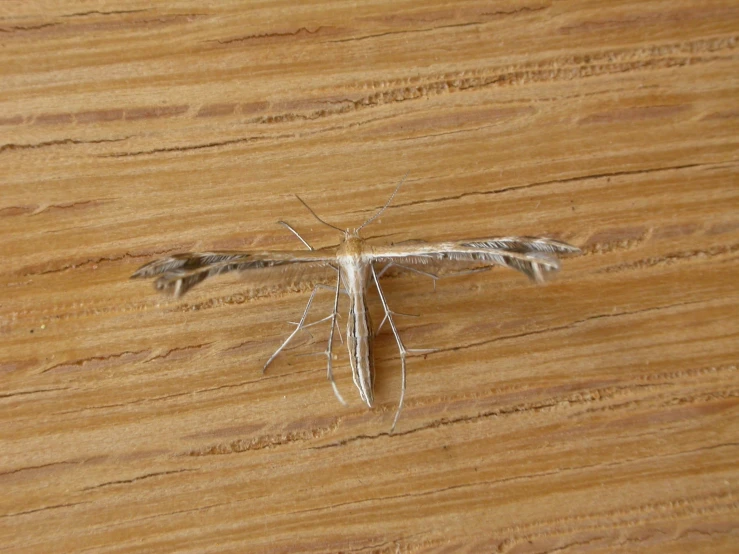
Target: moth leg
432, 276
401, 347
384, 319
309, 247
414, 270
330, 345
301, 324
338, 330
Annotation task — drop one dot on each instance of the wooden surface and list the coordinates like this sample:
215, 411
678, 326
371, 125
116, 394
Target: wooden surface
597, 413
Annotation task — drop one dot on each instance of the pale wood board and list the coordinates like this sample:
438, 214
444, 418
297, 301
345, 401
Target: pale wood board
596, 413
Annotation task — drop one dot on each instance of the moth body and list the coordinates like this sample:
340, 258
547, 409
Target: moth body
354, 269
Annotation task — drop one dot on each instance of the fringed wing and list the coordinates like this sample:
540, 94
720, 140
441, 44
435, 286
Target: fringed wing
178, 273
532, 256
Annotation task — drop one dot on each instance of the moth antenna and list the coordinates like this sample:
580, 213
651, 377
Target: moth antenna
379, 213
318, 218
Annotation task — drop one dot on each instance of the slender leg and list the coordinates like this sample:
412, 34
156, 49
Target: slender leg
301, 324
414, 270
409, 268
401, 347
305, 327
384, 319
332, 317
338, 330
329, 347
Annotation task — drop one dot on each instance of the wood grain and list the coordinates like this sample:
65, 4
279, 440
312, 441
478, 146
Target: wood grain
597, 413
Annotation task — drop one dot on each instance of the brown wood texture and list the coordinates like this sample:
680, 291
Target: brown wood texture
596, 413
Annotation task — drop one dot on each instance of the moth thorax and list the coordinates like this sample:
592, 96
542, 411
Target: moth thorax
352, 246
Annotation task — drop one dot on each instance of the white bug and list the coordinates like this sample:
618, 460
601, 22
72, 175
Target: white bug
356, 263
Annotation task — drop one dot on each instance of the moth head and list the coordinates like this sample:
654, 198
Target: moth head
352, 245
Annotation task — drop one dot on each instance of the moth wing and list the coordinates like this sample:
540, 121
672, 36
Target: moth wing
178, 273
535, 257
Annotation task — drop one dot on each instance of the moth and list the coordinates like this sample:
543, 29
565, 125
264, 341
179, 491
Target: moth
358, 265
